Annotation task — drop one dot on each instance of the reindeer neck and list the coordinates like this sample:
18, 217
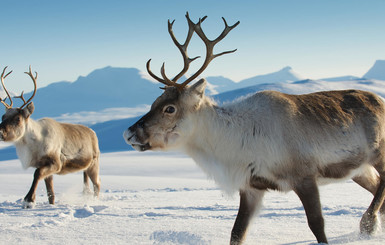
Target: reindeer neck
32, 132
218, 128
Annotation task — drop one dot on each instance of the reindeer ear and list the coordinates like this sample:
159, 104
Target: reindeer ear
198, 88
28, 110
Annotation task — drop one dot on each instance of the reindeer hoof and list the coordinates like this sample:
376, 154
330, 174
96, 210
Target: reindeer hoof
27, 205
370, 224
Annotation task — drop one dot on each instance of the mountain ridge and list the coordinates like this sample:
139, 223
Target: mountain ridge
377, 71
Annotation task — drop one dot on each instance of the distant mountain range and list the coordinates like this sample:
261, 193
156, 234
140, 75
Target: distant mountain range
125, 87
103, 88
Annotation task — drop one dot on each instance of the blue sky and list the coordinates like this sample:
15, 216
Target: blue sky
66, 39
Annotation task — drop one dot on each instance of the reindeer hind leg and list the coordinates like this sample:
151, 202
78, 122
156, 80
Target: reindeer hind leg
370, 180
86, 185
93, 174
49, 185
369, 223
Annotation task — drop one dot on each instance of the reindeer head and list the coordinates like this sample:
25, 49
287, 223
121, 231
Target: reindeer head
168, 123
14, 121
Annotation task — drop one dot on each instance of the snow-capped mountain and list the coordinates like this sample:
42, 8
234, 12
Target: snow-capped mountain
112, 87
104, 88
285, 75
377, 71
221, 84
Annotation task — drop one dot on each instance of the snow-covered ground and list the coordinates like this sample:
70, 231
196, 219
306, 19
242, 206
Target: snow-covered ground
163, 198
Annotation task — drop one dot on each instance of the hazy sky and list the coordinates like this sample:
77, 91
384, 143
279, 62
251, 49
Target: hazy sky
66, 39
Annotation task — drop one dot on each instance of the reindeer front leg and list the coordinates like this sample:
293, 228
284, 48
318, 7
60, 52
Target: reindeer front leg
49, 167
29, 199
307, 191
250, 201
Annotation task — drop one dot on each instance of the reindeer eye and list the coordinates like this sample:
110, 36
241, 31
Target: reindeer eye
170, 109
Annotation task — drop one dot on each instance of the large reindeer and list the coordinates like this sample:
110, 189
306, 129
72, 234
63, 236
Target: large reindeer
49, 146
270, 140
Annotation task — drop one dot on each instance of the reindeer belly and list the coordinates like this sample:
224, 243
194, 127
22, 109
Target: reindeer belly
74, 165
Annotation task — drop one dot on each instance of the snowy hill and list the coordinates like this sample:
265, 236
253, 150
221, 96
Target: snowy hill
377, 71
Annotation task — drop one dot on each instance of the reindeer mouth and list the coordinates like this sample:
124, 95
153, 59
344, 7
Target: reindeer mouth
131, 139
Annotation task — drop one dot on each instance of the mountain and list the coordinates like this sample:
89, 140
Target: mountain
112, 87
103, 88
110, 134
377, 71
286, 75
219, 84
303, 86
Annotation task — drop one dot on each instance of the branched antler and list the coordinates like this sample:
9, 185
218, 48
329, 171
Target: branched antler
34, 78
183, 50
209, 46
5, 89
22, 93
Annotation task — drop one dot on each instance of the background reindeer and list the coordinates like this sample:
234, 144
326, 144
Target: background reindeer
270, 140
49, 146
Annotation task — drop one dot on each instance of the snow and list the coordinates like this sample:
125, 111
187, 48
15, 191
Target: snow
164, 198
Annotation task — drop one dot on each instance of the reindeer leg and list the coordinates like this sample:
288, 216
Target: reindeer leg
49, 167
86, 185
29, 199
50, 193
93, 173
370, 180
307, 191
250, 201
369, 221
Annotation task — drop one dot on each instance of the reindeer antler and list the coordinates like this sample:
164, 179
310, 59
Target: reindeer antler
209, 46
34, 78
183, 49
5, 89
22, 93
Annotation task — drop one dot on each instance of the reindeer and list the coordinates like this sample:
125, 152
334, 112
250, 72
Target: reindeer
49, 146
270, 140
